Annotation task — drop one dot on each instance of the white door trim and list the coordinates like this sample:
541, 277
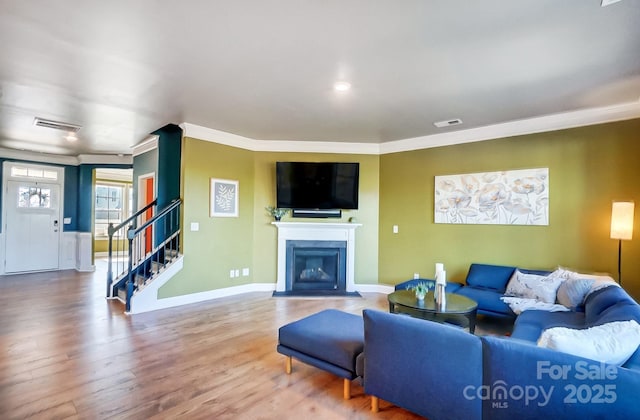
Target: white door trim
6, 177
142, 195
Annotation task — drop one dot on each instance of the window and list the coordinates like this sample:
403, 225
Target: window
113, 205
34, 197
33, 172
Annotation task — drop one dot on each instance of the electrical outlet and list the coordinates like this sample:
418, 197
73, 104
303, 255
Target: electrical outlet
232, 273
416, 275
395, 228
237, 272
245, 272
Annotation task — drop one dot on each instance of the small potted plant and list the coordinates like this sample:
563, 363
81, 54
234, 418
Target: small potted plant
276, 212
421, 288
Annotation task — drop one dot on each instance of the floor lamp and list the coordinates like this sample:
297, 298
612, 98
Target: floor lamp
621, 227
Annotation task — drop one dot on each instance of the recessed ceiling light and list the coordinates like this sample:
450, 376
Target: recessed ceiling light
448, 123
605, 3
71, 137
342, 86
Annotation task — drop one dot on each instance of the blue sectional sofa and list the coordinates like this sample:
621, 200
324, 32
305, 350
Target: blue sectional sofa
442, 372
486, 284
422, 366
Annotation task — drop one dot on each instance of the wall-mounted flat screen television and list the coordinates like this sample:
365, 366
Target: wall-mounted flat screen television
317, 185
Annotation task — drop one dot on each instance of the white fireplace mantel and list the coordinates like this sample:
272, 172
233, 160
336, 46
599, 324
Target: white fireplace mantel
309, 231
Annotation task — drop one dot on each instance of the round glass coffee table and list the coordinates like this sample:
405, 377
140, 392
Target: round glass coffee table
458, 308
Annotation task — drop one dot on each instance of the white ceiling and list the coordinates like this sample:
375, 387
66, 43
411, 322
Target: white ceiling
265, 69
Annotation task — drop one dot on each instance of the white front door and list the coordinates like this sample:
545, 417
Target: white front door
32, 226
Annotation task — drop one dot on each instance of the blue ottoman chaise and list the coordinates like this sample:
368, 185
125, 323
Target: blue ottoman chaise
330, 340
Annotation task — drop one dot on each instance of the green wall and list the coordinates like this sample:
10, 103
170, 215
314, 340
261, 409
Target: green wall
589, 167
265, 234
222, 243
250, 240
102, 245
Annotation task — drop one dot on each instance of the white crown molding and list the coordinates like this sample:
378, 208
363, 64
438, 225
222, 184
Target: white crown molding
65, 160
586, 117
38, 157
106, 159
148, 143
518, 128
541, 124
234, 140
216, 136
317, 147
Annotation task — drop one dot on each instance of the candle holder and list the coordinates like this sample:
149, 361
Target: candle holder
441, 279
441, 297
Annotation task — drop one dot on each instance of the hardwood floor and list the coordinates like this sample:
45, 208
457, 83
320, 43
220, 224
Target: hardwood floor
67, 352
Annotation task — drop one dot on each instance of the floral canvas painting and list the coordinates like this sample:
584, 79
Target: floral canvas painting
519, 197
224, 198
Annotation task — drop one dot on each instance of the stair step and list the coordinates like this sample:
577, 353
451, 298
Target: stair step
156, 266
122, 294
170, 254
140, 281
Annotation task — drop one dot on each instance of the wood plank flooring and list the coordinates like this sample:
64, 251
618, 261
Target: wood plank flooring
68, 353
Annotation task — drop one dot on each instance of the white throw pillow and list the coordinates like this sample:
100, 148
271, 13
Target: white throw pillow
610, 343
519, 305
533, 286
563, 273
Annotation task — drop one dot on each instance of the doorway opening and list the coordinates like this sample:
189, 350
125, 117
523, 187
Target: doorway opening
146, 195
113, 203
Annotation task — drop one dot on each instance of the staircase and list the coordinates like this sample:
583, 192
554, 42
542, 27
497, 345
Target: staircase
142, 253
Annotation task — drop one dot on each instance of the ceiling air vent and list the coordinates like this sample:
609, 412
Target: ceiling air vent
448, 123
56, 125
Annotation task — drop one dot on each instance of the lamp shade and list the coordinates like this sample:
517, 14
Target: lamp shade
622, 220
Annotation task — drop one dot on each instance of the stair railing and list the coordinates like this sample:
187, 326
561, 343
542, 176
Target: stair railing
118, 242
164, 229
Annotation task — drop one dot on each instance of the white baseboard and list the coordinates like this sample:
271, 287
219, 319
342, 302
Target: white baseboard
152, 303
374, 288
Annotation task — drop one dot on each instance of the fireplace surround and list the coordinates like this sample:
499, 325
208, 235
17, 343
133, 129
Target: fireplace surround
317, 244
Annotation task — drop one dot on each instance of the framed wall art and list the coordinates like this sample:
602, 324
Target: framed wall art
518, 197
224, 198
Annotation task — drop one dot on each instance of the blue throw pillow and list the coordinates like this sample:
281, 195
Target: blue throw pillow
572, 292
